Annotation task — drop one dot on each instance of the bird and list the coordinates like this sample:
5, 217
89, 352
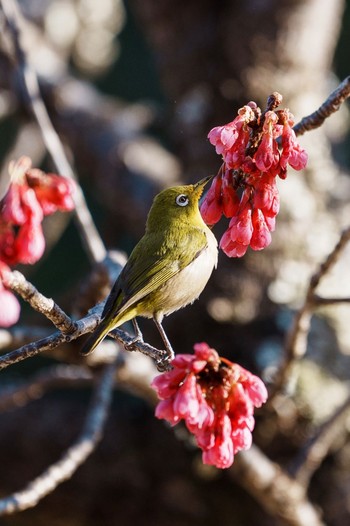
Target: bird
168, 268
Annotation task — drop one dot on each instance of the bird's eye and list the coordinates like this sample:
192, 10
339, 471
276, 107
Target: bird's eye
182, 200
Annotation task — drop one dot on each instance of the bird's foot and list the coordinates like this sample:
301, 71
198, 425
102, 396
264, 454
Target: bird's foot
138, 337
164, 363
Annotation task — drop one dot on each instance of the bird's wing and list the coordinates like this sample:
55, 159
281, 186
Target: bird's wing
144, 274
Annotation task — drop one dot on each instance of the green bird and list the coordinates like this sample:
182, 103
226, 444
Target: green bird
168, 268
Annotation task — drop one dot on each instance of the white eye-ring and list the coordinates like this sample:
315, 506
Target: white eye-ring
182, 200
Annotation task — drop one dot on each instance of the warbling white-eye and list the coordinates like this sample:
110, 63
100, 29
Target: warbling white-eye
168, 268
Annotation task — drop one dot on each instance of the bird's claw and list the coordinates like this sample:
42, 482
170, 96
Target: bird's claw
164, 363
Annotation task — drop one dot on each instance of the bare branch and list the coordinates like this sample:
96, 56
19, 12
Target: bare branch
296, 339
75, 455
83, 326
48, 379
319, 300
277, 493
311, 456
87, 228
330, 106
18, 283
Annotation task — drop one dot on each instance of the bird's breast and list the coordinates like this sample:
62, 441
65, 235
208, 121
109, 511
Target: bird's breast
187, 285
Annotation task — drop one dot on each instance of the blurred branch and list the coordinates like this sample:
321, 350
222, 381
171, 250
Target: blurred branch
19, 335
87, 228
309, 458
75, 454
330, 106
48, 379
296, 339
277, 493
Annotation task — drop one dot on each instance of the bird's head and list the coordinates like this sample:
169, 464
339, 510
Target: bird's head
177, 204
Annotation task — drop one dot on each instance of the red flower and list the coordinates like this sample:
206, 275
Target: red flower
216, 400
211, 208
52, 191
30, 243
31, 195
252, 160
231, 139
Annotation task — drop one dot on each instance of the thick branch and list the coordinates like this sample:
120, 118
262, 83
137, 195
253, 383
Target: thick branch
277, 493
74, 456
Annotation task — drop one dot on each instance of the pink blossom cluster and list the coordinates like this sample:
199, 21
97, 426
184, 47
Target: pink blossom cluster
216, 400
256, 147
32, 194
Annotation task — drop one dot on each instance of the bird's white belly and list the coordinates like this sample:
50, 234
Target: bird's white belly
186, 286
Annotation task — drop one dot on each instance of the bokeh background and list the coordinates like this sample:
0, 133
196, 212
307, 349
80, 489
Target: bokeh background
133, 87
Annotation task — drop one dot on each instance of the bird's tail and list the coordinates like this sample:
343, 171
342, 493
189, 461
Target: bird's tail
96, 337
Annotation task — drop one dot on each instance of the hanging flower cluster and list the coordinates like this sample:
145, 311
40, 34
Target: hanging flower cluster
216, 399
256, 147
32, 194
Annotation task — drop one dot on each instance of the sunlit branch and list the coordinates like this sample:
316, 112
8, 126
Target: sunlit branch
330, 106
46, 306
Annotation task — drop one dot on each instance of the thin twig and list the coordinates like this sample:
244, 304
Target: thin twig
311, 456
75, 455
46, 306
319, 300
43, 381
296, 339
87, 228
330, 106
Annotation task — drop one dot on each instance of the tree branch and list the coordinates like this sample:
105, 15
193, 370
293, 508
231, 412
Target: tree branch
18, 283
75, 455
330, 106
277, 493
43, 381
310, 457
296, 339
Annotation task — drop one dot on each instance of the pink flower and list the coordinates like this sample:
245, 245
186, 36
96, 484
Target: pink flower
216, 400
253, 159
12, 210
261, 237
31, 195
292, 153
267, 154
30, 243
9, 308
9, 305
53, 192
230, 199
231, 140
211, 207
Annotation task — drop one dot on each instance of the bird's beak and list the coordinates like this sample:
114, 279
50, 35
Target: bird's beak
199, 187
